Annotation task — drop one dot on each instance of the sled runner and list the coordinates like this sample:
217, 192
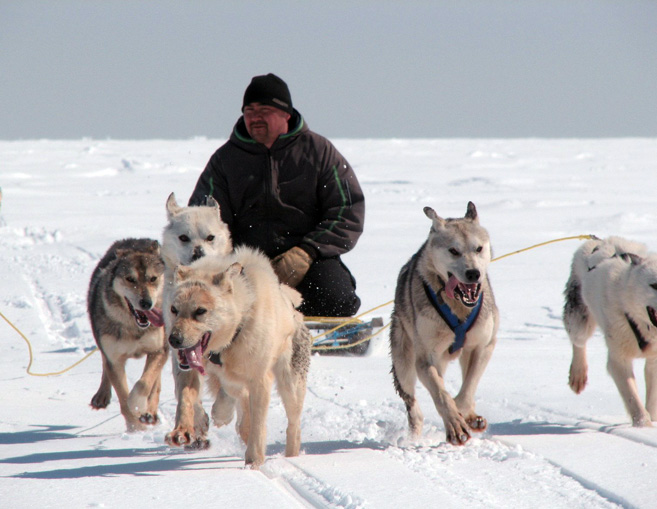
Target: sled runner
337, 335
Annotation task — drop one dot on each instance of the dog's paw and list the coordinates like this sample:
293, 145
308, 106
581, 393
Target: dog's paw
577, 380
100, 401
578, 373
179, 437
148, 418
200, 444
641, 421
183, 438
477, 423
457, 431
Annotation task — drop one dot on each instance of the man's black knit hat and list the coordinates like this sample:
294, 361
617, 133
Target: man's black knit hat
268, 89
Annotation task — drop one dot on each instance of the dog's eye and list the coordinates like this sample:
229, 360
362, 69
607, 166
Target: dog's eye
210, 238
184, 238
174, 310
480, 249
131, 279
199, 312
454, 252
153, 279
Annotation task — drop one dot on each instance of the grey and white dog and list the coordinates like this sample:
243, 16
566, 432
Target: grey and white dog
124, 303
444, 310
613, 285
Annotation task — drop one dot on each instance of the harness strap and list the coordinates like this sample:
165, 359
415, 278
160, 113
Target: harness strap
460, 329
215, 357
643, 344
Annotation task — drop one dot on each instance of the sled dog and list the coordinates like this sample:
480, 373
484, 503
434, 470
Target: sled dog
124, 306
231, 320
191, 233
613, 285
444, 309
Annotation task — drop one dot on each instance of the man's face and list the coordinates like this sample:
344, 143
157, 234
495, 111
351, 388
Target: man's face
265, 123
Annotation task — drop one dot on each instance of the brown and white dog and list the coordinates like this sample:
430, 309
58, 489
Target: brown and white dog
124, 305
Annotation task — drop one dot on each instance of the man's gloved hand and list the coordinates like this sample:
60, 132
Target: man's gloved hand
292, 265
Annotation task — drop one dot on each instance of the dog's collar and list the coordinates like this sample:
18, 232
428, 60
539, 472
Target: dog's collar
643, 344
459, 328
215, 357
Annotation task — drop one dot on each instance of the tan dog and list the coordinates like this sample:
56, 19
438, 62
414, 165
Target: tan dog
231, 320
124, 304
444, 310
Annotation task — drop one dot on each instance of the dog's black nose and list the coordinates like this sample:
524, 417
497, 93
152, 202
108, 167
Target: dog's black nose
175, 340
146, 304
198, 253
472, 275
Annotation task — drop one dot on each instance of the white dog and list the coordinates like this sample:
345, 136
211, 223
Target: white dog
190, 234
193, 232
613, 285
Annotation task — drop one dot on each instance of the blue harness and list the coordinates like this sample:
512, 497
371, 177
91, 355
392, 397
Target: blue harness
459, 328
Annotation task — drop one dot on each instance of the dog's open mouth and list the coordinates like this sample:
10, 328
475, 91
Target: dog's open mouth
145, 318
468, 293
192, 358
652, 314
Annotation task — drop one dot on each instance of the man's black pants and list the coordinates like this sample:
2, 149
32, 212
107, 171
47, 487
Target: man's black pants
328, 289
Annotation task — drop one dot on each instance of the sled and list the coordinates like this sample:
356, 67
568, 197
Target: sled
337, 335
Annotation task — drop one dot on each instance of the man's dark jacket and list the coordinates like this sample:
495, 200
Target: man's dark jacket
301, 192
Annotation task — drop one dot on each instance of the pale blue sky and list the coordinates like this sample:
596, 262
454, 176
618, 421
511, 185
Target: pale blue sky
357, 69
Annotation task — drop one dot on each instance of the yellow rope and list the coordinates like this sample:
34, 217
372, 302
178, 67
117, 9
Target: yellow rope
321, 319
576, 237
29, 349
351, 345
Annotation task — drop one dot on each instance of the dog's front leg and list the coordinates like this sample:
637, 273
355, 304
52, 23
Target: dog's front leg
191, 420
456, 428
117, 376
621, 371
578, 375
259, 395
651, 387
104, 393
223, 408
473, 364
145, 395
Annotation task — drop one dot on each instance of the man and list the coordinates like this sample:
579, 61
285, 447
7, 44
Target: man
288, 191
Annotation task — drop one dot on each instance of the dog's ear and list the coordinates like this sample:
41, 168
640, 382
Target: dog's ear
438, 222
235, 269
225, 279
172, 206
154, 247
471, 213
211, 202
181, 273
632, 258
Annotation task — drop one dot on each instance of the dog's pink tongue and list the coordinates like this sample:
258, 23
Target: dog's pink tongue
155, 317
194, 356
452, 283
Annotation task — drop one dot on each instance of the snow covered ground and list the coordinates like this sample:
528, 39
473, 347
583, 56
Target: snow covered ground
65, 202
